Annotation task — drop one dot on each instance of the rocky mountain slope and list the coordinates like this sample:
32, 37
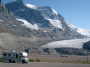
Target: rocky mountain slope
25, 25
45, 21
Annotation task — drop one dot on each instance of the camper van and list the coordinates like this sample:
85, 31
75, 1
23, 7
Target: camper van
15, 57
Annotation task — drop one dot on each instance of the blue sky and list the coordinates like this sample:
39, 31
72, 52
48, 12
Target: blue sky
76, 12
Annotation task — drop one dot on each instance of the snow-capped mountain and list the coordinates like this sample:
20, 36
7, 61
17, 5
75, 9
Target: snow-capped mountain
44, 20
80, 30
34, 26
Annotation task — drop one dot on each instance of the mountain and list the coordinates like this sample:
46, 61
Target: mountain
45, 21
80, 30
25, 25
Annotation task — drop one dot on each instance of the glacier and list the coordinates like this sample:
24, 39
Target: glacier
74, 43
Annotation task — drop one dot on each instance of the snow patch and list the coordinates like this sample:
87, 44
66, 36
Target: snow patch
28, 24
84, 32
56, 23
31, 6
54, 11
80, 30
72, 26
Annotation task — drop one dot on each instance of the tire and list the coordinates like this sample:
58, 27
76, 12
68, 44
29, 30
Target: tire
10, 61
24, 62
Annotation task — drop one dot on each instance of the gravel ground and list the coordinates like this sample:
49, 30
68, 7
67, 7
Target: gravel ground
44, 64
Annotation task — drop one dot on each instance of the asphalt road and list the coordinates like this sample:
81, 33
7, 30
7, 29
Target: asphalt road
44, 65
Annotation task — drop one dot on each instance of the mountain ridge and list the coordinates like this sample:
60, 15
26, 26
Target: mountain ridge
30, 27
42, 17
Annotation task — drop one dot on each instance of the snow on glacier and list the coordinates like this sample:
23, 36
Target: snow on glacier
75, 43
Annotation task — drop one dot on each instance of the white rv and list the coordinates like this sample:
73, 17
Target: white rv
15, 57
